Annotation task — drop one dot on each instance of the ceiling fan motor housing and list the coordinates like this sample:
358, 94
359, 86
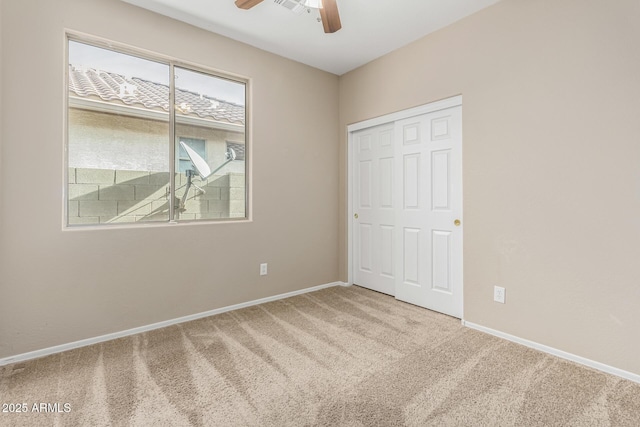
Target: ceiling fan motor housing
294, 6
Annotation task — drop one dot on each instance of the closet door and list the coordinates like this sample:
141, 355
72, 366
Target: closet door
374, 207
428, 241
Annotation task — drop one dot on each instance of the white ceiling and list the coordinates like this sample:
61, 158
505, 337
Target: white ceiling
370, 28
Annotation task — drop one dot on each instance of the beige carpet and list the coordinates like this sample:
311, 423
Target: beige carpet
336, 357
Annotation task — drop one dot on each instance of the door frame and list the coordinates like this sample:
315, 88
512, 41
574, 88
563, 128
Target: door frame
431, 107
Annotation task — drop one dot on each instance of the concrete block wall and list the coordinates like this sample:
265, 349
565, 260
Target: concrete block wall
103, 196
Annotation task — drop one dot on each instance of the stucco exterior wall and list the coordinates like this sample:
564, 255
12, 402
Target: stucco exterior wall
101, 140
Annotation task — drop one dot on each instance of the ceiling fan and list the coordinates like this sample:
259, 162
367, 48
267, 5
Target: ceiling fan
328, 11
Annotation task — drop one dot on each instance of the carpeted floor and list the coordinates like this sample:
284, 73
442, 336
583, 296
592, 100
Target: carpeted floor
336, 357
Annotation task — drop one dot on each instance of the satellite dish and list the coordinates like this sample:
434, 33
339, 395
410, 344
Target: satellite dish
201, 168
199, 163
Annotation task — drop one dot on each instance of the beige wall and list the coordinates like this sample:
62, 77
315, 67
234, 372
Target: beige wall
551, 164
60, 286
551, 176
3, 320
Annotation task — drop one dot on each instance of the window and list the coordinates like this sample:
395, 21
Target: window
123, 127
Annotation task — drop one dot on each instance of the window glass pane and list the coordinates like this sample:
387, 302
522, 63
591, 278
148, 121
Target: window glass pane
119, 133
118, 145
209, 109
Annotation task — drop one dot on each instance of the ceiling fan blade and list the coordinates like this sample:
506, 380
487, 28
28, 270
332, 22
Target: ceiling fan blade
247, 4
330, 16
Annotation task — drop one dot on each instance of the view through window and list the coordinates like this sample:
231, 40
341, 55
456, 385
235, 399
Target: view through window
123, 127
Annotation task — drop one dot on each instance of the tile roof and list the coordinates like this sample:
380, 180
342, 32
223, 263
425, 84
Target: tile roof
136, 92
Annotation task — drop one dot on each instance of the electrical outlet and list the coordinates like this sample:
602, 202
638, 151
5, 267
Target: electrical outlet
263, 269
498, 294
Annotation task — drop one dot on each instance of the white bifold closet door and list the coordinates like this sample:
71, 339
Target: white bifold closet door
407, 203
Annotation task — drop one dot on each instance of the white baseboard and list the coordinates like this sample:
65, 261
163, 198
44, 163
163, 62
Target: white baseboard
554, 351
89, 341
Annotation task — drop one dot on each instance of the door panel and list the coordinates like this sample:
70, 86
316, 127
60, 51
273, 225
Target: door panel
387, 248
441, 260
411, 256
431, 170
365, 184
411, 134
411, 181
386, 182
374, 248
440, 181
365, 248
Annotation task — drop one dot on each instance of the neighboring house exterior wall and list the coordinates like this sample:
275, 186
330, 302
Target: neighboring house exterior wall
119, 171
114, 133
